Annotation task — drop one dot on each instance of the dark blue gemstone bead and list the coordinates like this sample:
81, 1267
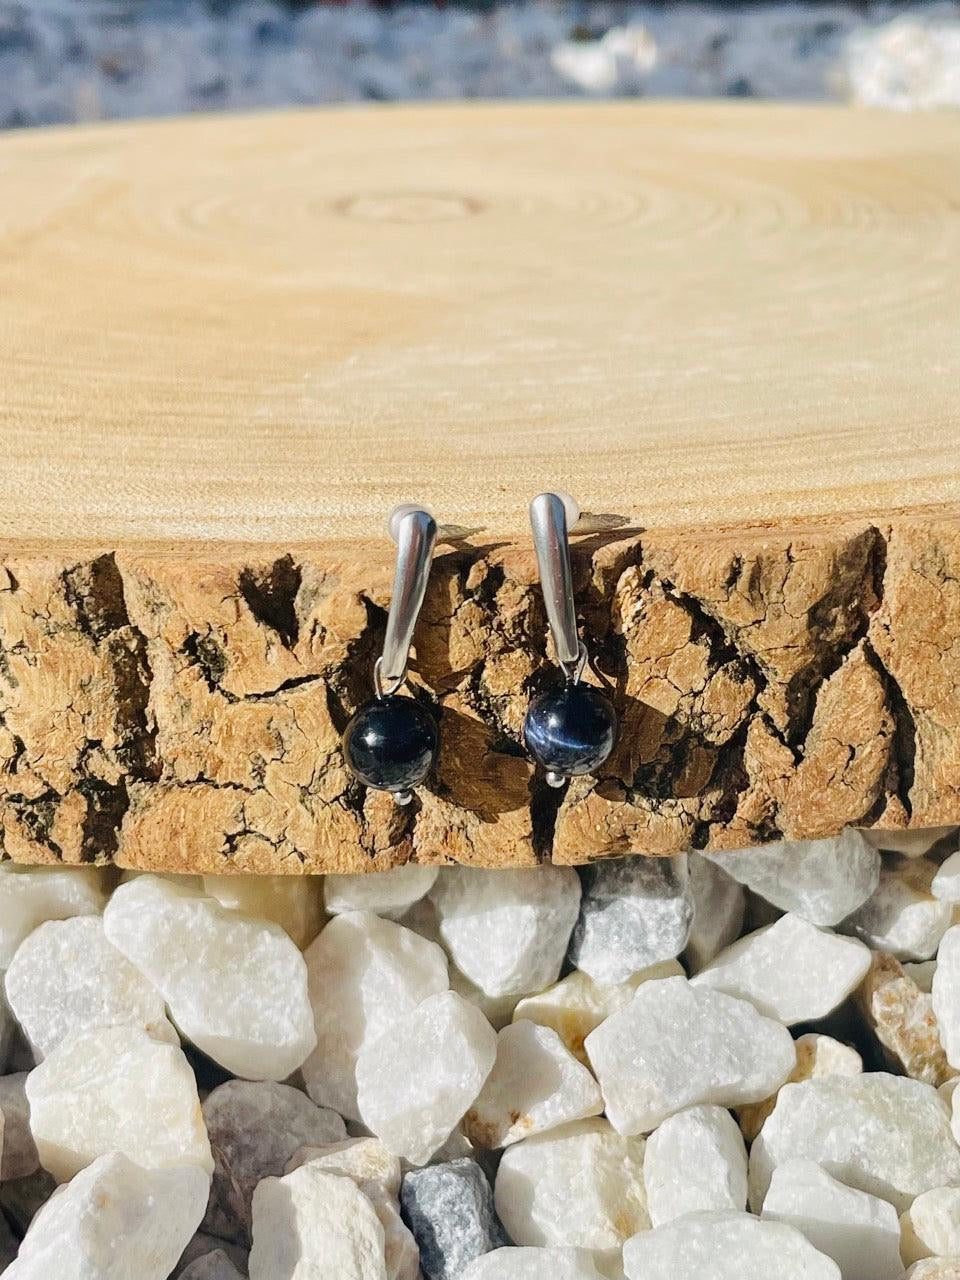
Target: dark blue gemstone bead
570, 730
390, 744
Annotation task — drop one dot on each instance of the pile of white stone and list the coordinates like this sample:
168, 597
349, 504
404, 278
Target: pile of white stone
737, 1066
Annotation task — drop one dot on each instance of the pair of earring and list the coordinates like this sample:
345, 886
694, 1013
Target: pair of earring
391, 743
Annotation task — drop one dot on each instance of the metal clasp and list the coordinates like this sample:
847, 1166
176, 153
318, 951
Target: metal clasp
548, 520
415, 532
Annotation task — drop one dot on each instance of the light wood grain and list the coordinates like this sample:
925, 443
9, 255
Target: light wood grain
230, 345
275, 327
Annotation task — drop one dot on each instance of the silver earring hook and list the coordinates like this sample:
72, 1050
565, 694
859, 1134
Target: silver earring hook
548, 520
415, 532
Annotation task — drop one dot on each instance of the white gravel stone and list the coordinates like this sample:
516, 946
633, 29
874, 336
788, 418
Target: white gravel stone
254, 1128
416, 1081
576, 1005
507, 931
887, 1135
858, 1231
116, 1089
821, 880
931, 1226
945, 885
376, 1171
364, 974
718, 909
945, 993
66, 978
817, 1055
527, 1263
902, 916
725, 1246
114, 1221
676, 1045
30, 895
635, 912
20, 1157
695, 1161
385, 893
935, 1269
580, 1186
535, 1084
790, 970
362, 1159
295, 903
235, 987
310, 1225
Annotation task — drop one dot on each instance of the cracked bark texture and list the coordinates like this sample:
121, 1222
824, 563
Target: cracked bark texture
183, 712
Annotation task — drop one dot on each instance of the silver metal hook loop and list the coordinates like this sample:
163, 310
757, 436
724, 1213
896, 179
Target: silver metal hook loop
416, 535
548, 520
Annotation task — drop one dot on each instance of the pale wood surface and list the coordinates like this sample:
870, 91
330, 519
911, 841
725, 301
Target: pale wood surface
230, 345
275, 327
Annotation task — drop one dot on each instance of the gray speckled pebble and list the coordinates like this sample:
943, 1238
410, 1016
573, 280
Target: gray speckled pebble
634, 912
449, 1209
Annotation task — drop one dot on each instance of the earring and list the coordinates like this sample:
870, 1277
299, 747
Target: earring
569, 730
390, 744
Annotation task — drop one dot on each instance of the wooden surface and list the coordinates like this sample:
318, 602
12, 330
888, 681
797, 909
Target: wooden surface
230, 345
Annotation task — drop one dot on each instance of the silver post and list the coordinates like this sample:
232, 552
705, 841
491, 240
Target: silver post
416, 534
548, 520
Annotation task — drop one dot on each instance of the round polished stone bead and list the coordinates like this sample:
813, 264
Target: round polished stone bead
390, 744
570, 730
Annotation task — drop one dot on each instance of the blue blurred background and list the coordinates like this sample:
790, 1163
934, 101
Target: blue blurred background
80, 60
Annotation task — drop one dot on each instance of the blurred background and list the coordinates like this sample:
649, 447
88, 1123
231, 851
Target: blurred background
80, 60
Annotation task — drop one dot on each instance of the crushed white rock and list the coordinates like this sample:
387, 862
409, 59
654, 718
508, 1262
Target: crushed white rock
295, 903
821, 880
311, 1224
931, 1226
817, 1055
675, 1045
552, 1112
417, 1080
945, 885
577, 1004
114, 1221
902, 916
579, 1186
507, 931
695, 1161
365, 973
860, 1232
387, 893
66, 978
376, 1171
535, 1084
945, 994
254, 1129
30, 895
790, 970
635, 912
236, 987
528, 1263
883, 1134
725, 1246
89, 1098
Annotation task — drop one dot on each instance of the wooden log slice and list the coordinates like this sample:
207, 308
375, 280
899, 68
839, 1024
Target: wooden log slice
230, 345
